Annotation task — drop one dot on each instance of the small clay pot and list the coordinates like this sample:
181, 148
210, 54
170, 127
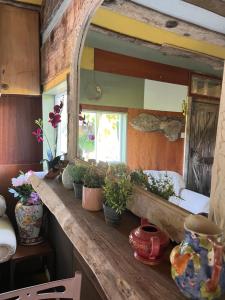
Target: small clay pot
111, 217
92, 198
78, 190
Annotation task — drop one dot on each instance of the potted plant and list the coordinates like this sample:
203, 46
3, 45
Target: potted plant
139, 178
92, 189
77, 172
28, 210
53, 162
117, 191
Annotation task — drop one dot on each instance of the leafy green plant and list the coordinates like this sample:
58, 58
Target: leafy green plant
162, 186
92, 178
117, 169
139, 178
117, 192
77, 173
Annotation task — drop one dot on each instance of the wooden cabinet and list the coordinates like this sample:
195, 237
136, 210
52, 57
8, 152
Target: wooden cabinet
19, 51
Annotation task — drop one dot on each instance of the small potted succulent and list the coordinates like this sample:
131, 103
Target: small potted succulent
92, 189
77, 172
117, 191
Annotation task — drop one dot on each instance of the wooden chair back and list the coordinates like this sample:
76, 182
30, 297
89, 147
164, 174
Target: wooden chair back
67, 288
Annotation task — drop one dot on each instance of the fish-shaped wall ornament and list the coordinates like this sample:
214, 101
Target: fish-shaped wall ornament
171, 127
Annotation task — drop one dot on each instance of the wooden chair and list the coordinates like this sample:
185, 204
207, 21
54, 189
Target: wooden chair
60, 289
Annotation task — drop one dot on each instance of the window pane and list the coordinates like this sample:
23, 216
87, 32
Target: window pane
62, 126
102, 135
87, 134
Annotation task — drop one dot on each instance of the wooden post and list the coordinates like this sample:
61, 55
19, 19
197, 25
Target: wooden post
217, 203
85, 9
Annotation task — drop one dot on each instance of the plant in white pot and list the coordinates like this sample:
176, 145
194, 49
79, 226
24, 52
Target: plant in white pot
77, 172
28, 210
92, 189
117, 191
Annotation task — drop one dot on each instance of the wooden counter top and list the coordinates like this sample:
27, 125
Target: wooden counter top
106, 249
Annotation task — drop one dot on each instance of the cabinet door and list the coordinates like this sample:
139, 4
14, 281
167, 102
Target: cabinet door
19, 51
203, 127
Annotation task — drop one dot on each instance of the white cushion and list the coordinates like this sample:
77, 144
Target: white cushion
2, 206
191, 201
7, 239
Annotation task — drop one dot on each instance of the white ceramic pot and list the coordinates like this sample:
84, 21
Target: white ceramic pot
67, 180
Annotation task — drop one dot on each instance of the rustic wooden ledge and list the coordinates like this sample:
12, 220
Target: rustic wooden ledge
167, 216
105, 249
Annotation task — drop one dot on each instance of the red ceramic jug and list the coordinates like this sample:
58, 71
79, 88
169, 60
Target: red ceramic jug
148, 243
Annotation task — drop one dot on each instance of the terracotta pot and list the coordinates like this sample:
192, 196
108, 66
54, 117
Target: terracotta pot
78, 190
29, 220
111, 217
92, 198
198, 263
149, 243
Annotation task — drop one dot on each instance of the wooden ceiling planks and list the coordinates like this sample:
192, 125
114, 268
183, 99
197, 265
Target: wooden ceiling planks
216, 6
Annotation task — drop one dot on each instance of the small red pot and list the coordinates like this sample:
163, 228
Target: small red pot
149, 243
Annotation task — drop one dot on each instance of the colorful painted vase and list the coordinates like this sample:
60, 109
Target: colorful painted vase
29, 220
149, 243
198, 265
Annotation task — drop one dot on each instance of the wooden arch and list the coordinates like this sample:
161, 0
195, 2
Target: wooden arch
85, 10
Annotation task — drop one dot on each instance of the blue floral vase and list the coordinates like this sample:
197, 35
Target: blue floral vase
198, 263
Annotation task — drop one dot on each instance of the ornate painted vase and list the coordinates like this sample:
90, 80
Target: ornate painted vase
29, 220
149, 243
198, 263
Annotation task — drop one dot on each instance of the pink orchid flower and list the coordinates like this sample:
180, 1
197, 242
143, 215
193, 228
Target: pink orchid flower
38, 134
55, 119
20, 180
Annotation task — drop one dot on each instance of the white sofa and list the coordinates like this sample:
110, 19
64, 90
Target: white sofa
191, 201
7, 235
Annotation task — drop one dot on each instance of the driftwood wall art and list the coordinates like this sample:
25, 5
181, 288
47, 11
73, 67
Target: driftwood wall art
170, 127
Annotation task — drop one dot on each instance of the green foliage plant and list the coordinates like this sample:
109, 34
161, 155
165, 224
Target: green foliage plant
139, 178
77, 172
117, 169
162, 186
92, 178
117, 192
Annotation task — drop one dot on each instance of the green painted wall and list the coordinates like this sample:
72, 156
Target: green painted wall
117, 90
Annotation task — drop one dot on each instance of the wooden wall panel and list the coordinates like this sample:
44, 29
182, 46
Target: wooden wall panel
152, 150
19, 149
19, 51
125, 65
17, 116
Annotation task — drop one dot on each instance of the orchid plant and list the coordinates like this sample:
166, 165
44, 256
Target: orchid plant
23, 190
39, 133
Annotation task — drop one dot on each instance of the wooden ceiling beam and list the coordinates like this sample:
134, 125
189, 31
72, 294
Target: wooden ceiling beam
158, 20
21, 5
216, 6
215, 63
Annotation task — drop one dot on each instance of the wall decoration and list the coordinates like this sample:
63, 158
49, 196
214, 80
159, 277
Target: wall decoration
170, 127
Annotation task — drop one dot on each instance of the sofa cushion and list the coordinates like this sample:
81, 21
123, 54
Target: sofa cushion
2, 206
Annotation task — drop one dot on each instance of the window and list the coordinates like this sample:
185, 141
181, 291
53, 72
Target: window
102, 136
62, 126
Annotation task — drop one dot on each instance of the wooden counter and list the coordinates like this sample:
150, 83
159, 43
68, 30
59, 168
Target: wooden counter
106, 249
